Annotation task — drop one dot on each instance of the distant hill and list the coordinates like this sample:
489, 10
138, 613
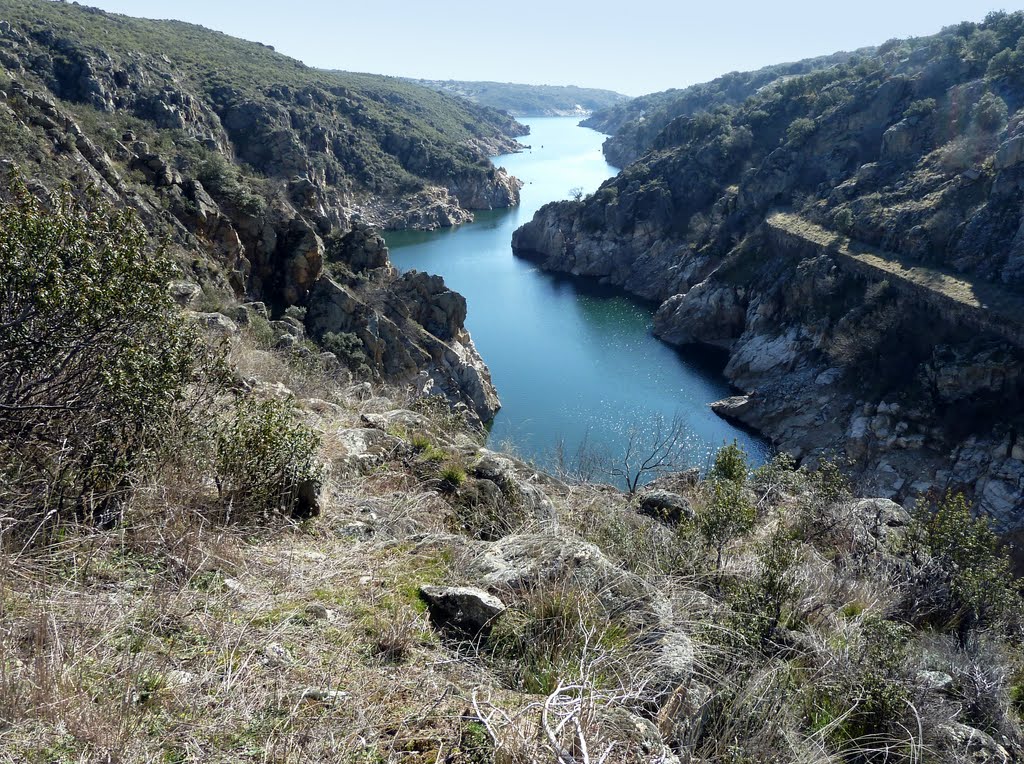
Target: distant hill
530, 100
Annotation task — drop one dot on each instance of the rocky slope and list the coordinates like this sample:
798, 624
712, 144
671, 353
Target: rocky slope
258, 172
530, 100
634, 125
870, 320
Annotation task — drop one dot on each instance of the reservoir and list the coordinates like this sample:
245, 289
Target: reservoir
573, 362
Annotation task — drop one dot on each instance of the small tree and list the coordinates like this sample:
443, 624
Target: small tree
726, 514
730, 463
966, 548
267, 462
651, 451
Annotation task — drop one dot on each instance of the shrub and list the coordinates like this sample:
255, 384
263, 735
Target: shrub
990, 113
968, 551
267, 462
730, 464
96, 362
349, 350
726, 514
800, 129
921, 108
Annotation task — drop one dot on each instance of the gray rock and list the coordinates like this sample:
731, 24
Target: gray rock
470, 611
217, 324
665, 506
936, 681
184, 292
968, 744
518, 564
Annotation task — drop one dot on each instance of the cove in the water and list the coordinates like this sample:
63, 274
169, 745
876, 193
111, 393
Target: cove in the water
573, 361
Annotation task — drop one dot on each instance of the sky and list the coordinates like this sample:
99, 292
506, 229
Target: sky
632, 46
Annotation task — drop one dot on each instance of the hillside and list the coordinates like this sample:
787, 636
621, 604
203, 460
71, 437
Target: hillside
246, 514
217, 548
634, 125
530, 100
362, 140
900, 177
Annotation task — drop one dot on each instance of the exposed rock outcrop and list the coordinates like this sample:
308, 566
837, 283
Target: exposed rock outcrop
878, 319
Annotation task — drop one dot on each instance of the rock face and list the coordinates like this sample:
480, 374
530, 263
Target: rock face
857, 248
411, 328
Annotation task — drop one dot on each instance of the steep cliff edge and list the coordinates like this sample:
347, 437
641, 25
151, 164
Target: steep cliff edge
877, 319
258, 174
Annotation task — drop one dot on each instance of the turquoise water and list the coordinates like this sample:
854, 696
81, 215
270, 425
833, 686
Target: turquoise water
573, 362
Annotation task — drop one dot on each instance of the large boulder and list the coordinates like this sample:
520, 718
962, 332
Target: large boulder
519, 564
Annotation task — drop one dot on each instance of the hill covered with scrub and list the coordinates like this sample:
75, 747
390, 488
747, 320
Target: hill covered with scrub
215, 547
633, 125
853, 237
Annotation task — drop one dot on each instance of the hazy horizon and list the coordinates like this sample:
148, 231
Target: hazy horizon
652, 46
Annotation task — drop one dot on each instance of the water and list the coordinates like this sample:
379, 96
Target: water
574, 363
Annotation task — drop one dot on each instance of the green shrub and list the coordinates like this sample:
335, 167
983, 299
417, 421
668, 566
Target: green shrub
726, 514
267, 462
990, 113
982, 585
452, 477
349, 350
97, 366
800, 129
730, 464
921, 108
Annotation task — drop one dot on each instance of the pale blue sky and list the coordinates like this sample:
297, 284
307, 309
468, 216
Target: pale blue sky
633, 46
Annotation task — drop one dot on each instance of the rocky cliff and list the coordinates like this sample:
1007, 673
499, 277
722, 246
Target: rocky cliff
251, 167
876, 319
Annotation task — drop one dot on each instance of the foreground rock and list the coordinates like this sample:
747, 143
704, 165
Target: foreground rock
472, 612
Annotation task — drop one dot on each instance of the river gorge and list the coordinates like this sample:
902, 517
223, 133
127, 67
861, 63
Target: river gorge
574, 361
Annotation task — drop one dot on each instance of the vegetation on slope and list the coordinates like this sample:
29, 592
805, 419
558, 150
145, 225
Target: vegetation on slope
635, 124
771, 618
388, 135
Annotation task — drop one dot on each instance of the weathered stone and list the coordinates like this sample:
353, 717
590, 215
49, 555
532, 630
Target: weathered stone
465, 609
665, 506
217, 324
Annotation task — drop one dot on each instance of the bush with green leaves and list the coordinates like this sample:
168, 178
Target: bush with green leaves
267, 461
967, 550
349, 350
730, 463
97, 365
726, 514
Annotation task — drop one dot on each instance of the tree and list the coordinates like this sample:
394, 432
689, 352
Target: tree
651, 451
726, 514
576, 193
96, 361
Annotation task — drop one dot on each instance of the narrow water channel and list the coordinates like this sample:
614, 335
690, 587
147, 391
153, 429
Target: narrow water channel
573, 362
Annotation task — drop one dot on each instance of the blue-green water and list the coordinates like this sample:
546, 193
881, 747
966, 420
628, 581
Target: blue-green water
572, 361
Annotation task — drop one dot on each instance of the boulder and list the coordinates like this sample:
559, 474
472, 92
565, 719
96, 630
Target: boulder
967, 744
465, 609
518, 564
665, 506
215, 323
